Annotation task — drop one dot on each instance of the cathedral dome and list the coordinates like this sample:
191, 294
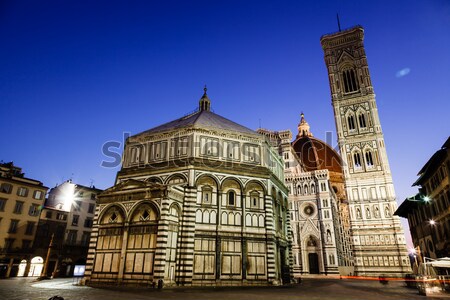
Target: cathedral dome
316, 154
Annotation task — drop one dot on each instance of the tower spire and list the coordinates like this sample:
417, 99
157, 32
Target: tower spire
204, 103
303, 127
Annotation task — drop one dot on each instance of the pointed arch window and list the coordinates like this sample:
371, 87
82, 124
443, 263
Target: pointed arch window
357, 160
299, 190
369, 158
350, 82
231, 198
351, 122
362, 121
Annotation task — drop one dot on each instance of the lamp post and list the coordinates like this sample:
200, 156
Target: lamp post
50, 246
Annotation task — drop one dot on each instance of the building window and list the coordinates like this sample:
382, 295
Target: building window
22, 191
37, 195
2, 204
75, 220
231, 198
61, 216
357, 160
206, 195
30, 228
34, 210
8, 244
369, 158
350, 83
26, 244
362, 121
77, 205
88, 223
5, 188
18, 207
85, 238
351, 122
71, 237
59, 234
254, 199
48, 214
13, 226
91, 208
92, 196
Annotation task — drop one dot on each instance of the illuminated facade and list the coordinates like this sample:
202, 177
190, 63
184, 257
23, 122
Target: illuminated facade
317, 202
377, 236
68, 216
21, 200
427, 212
200, 200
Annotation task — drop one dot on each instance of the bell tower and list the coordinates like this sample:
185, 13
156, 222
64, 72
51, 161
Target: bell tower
377, 236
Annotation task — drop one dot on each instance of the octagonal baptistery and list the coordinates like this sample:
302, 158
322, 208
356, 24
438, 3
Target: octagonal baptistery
200, 200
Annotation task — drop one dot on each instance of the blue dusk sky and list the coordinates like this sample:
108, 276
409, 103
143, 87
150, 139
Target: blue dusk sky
76, 74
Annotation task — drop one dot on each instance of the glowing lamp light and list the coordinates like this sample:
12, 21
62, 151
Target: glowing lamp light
68, 196
426, 199
413, 251
432, 222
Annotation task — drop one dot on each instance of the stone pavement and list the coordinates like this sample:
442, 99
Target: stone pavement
310, 289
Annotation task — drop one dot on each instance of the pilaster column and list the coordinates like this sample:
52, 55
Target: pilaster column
270, 240
159, 269
123, 252
187, 234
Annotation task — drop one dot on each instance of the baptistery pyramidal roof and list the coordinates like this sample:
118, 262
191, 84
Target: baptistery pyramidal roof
202, 118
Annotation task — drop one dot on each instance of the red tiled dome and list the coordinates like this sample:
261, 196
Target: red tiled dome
316, 154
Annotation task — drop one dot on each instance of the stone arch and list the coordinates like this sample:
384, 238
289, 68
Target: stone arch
255, 185
232, 190
154, 179
176, 178
261, 221
237, 219
254, 192
152, 212
207, 187
213, 217
175, 210
198, 216
207, 179
113, 213
232, 182
205, 218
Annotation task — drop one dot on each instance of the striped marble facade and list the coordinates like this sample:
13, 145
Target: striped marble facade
199, 201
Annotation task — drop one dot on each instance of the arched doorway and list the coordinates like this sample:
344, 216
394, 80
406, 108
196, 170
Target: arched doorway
312, 249
22, 268
37, 263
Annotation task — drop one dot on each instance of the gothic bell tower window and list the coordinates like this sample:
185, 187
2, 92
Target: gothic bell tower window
362, 121
351, 122
369, 158
357, 160
349, 81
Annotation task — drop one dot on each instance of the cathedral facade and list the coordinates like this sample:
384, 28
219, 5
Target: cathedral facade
317, 202
200, 200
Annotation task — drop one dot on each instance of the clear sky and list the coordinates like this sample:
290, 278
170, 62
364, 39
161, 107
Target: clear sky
76, 74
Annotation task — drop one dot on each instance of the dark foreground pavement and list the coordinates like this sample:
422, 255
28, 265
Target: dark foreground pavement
310, 289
